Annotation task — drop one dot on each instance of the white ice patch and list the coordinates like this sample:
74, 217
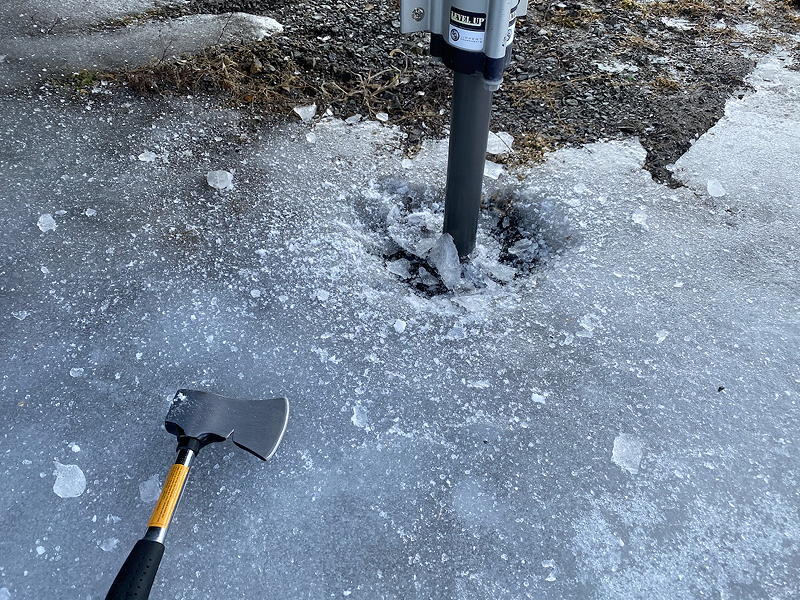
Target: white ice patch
492, 170
46, 223
627, 452
220, 180
399, 326
360, 417
715, 188
70, 480
499, 143
400, 267
108, 544
322, 295
148, 156
150, 489
306, 113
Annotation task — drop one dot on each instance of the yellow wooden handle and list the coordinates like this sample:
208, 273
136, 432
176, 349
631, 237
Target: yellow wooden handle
170, 494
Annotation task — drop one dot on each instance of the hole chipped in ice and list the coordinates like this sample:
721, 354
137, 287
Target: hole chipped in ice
516, 236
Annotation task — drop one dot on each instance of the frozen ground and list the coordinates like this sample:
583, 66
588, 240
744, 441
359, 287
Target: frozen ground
621, 423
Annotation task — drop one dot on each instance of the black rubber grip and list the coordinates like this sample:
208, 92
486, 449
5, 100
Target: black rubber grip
135, 578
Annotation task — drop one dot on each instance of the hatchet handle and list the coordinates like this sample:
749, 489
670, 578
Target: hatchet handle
135, 578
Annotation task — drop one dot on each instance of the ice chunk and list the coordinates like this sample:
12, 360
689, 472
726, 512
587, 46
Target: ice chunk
306, 113
148, 156
627, 452
150, 489
46, 222
715, 188
109, 544
90, 212
40, 550
492, 170
255, 293
427, 278
261, 26
352, 120
311, 137
640, 218
677, 23
4, 593
499, 143
537, 398
661, 335
444, 258
399, 326
382, 117
70, 480
360, 417
220, 180
400, 267
323, 295
75, 447
20, 315
76, 372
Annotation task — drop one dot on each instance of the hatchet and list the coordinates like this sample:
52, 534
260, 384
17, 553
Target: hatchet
197, 419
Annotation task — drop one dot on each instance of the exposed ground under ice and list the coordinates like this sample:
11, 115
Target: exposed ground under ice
618, 421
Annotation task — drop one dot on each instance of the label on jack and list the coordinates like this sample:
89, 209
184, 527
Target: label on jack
467, 29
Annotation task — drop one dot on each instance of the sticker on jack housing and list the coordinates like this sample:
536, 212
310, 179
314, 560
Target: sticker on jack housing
512, 22
467, 29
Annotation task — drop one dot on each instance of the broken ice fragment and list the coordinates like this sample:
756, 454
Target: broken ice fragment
150, 489
427, 278
46, 222
40, 550
306, 113
444, 258
406, 163
399, 326
492, 170
538, 399
627, 452
90, 212
20, 315
219, 180
255, 293
640, 218
353, 119
548, 564
311, 137
360, 417
70, 480
715, 189
499, 143
109, 544
4, 593
148, 156
75, 447
661, 335
323, 295
76, 372
400, 267
382, 117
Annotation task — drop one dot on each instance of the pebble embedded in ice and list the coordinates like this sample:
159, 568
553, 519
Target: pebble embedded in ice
150, 489
90, 212
76, 372
109, 544
70, 480
219, 180
323, 295
399, 326
492, 170
20, 315
715, 188
148, 156
255, 293
382, 117
444, 258
499, 143
627, 452
306, 113
661, 335
46, 222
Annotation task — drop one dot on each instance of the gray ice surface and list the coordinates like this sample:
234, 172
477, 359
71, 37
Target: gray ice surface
458, 446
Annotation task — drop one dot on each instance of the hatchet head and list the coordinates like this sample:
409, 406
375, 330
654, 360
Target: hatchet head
254, 425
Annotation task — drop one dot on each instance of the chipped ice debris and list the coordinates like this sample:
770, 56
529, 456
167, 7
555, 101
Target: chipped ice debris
415, 232
148, 156
400, 267
352, 120
108, 544
150, 489
20, 315
90, 212
399, 325
427, 278
220, 180
75, 447
616, 66
40, 550
550, 564
715, 188
677, 23
360, 417
261, 26
311, 137
306, 113
492, 170
406, 163
538, 397
322, 295
76, 372
746, 29
444, 258
661, 335
456, 332
640, 218
499, 143
480, 384
255, 293
70, 480
627, 452
5, 594
588, 323
382, 117
46, 223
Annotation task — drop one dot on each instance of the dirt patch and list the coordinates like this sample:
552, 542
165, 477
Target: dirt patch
661, 71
